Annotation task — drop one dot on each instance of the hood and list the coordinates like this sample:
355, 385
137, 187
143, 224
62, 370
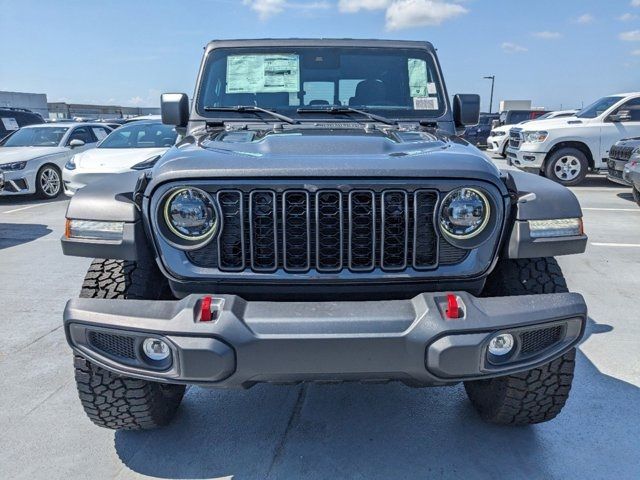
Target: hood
324, 151
20, 154
114, 159
552, 123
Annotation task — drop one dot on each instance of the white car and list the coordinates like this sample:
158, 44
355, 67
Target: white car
497, 141
565, 149
33, 157
136, 146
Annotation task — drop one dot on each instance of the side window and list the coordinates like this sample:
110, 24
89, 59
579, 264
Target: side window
81, 133
633, 107
100, 132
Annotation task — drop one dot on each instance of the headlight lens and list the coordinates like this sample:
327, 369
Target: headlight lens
534, 137
636, 152
7, 167
498, 134
465, 213
190, 214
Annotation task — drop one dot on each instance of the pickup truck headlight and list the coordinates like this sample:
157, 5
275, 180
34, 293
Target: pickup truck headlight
8, 167
190, 214
534, 137
497, 134
464, 213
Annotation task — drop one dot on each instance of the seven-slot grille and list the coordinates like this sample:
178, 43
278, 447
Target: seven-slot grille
328, 230
515, 138
620, 152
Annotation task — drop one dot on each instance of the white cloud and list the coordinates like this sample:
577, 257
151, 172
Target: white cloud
585, 19
636, 53
416, 13
510, 47
268, 8
632, 36
135, 101
627, 17
547, 35
635, 3
353, 6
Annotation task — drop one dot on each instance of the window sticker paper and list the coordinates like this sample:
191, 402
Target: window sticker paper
265, 73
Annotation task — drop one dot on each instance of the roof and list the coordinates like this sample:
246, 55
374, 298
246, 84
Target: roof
317, 42
64, 124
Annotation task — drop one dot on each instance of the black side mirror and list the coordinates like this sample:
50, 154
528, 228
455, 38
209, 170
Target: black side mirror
466, 109
174, 108
621, 116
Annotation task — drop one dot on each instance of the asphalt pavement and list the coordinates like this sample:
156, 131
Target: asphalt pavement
349, 431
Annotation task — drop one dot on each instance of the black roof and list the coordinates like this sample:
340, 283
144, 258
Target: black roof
317, 42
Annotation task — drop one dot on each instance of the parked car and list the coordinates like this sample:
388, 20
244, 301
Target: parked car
497, 140
511, 117
286, 240
143, 117
135, 146
477, 134
32, 158
631, 175
11, 119
565, 149
1, 181
620, 154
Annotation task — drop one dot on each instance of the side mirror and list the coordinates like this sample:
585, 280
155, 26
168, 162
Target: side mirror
466, 109
621, 116
174, 108
76, 142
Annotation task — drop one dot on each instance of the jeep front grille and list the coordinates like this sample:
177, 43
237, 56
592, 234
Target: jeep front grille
621, 153
327, 230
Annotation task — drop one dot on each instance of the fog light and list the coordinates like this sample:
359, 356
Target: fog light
501, 344
156, 349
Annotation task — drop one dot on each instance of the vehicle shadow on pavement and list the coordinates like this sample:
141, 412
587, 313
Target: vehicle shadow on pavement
389, 431
627, 196
12, 234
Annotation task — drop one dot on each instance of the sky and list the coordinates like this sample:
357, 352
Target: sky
557, 53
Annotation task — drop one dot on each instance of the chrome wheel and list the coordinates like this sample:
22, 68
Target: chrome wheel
567, 168
50, 182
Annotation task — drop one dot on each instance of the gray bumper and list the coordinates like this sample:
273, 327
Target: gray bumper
283, 342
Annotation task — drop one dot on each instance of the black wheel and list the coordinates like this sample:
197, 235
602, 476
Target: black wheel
636, 195
567, 166
504, 149
535, 395
48, 181
111, 400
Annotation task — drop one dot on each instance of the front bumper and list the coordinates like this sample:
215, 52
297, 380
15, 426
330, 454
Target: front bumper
615, 171
285, 342
526, 160
19, 182
496, 144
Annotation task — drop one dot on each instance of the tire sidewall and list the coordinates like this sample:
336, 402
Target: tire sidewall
549, 168
39, 191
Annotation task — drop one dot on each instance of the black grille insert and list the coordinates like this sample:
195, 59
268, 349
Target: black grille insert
121, 346
535, 341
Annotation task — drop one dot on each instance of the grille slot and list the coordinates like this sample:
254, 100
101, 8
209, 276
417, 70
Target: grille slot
395, 230
231, 238
535, 341
263, 226
329, 230
296, 231
362, 230
425, 240
121, 346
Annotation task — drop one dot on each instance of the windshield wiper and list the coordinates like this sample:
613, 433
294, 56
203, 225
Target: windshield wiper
251, 109
336, 109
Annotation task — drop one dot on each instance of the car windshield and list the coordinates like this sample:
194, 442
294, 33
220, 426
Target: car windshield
36, 137
141, 135
598, 107
393, 82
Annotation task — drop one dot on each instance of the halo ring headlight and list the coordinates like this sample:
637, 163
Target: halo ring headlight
190, 214
464, 213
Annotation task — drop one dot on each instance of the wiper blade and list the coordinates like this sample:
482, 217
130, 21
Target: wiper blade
251, 109
344, 109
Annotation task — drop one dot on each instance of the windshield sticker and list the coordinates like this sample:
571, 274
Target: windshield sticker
418, 83
425, 103
10, 124
431, 88
269, 73
99, 133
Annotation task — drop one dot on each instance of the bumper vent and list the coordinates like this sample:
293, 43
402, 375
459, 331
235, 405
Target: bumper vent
535, 341
120, 346
329, 230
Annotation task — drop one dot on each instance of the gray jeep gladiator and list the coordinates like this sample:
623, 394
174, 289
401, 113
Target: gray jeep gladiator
320, 221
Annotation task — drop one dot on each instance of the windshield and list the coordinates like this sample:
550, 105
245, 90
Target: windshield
36, 137
396, 83
141, 135
598, 107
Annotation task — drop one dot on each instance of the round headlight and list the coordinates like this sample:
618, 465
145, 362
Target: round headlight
465, 213
190, 214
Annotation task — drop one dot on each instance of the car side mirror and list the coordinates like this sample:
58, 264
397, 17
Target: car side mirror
174, 108
466, 109
621, 116
76, 142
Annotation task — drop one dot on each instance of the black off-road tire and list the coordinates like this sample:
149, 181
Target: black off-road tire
636, 195
111, 400
535, 395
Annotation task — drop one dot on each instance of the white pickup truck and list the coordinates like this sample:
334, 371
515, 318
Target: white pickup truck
564, 150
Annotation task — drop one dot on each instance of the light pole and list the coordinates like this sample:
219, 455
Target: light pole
493, 79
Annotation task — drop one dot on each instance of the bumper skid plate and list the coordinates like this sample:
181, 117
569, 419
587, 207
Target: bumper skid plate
285, 342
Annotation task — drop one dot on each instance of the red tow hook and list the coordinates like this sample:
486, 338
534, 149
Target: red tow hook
205, 309
453, 309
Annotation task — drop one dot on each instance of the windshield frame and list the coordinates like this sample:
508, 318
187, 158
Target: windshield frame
61, 142
411, 115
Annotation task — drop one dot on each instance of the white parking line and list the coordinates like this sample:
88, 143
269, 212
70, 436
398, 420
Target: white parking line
595, 244
24, 208
599, 209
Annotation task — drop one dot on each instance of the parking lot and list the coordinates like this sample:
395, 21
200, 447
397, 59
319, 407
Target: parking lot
315, 431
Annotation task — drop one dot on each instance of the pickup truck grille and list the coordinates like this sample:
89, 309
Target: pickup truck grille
515, 138
327, 230
620, 153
